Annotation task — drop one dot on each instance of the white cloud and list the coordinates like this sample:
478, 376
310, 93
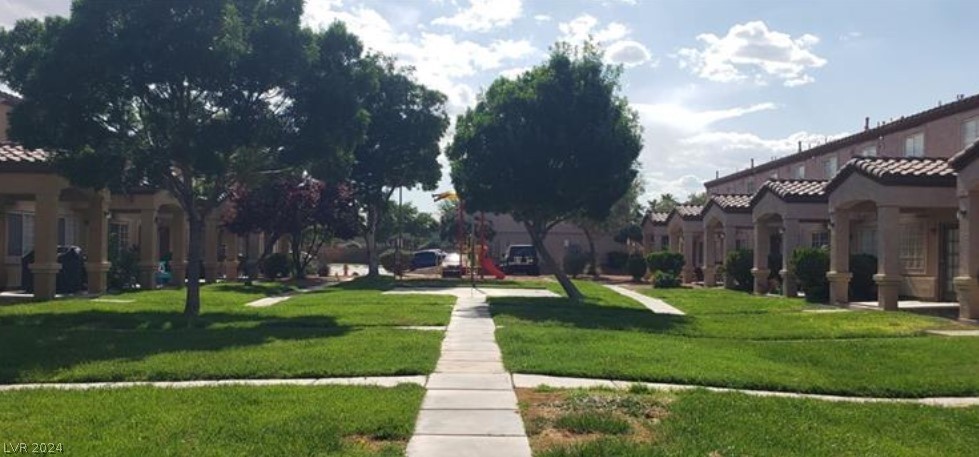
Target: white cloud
513, 73
629, 53
578, 30
441, 61
682, 119
484, 15
850, 36
752, 50
542, 18
618, 50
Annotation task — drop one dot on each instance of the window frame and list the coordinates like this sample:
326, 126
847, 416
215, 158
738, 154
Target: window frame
912, 140
966, 141
913, 250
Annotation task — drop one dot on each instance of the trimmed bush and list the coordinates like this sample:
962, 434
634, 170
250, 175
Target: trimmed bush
738, 264
665, 261
810, 266
124, 270
636, 266
616, 260
276, 266
664, 280
575, 262
862, 285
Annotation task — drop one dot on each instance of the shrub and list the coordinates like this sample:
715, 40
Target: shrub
575, 262
124, 272
665, 261
664, 280
862, 286
810, 266
276, 266
636, 266
738, 264
616, 260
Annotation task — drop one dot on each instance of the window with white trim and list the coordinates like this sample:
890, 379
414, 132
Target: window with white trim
749, 186
820, 239
119, 236
774, 175
869, 151
800, 172
20, 234
68, 231
912, 253
914, 145
970, 131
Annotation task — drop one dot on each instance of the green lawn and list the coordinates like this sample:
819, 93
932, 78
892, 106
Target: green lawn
726, 424
735, 340
279, 420
389, 283
143, 336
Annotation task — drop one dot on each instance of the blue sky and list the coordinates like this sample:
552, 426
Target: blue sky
716, 82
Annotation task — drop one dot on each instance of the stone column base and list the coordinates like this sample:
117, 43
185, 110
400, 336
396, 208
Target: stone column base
710, 276
888, 289
761, 280
178, 273
967, 289
97, 273
686, 274
45, 280
147, 275
839, 287
790, 286
211, 271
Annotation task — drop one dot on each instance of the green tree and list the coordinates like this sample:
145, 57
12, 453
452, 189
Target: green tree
697, 199
664, 204
624, 215
449, 224
401, 147
190, 97
557, 143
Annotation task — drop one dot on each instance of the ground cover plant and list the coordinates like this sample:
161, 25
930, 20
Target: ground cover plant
645, 423
735, 340
227, 420
143, 336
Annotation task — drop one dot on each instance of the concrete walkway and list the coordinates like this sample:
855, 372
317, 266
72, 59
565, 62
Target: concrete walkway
269, 301
530, 381
470, 408
655, 305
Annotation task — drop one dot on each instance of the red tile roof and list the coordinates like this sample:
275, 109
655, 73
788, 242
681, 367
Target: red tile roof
686, 212
890, 171
904, 123
656, 218
16, 157
965, 156
793, 190
731, 203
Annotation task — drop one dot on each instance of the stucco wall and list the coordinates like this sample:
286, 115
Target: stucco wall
558, 241
4, 122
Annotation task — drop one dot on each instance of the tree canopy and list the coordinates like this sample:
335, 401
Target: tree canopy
558, 142
190, 97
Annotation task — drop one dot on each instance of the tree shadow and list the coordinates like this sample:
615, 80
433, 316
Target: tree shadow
42, 345
585, 314
242, 288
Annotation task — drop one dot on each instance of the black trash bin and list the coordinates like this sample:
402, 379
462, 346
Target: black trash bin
71, 279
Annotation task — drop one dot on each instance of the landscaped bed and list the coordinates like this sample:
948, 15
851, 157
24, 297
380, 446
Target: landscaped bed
590, 423
143, 336
733, 339
279, 420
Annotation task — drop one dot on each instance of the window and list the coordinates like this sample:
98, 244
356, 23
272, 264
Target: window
830, 165
800, 172
820, 239
67, 231
869, 151
970, 131
20, 234
912, 246
774, 175
749, 186
866, 241
118, 237
914, 145
664, 242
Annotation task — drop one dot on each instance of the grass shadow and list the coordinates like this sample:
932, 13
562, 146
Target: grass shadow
584, 314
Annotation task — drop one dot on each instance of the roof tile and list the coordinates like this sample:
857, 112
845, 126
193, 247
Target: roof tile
913, 171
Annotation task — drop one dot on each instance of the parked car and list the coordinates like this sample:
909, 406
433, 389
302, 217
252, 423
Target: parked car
452, 266
428, 258
521, 258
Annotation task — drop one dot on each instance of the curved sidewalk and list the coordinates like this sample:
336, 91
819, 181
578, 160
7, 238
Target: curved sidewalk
655, 305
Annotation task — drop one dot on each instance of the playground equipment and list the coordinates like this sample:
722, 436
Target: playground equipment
478, 258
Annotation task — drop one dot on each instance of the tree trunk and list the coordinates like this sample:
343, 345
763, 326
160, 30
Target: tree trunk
591, 253
299, 268
192, 307
562, 278
373, 257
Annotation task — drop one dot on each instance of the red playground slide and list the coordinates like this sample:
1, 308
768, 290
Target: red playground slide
491, 268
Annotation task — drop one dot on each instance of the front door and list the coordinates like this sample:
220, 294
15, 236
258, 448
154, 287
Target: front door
948, 261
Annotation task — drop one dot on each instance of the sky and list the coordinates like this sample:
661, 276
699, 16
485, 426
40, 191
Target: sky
716, 83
